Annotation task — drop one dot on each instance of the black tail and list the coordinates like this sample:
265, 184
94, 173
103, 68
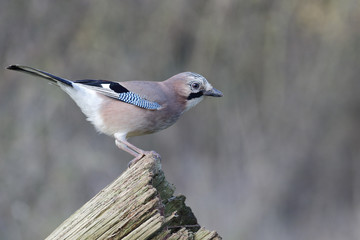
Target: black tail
40, 73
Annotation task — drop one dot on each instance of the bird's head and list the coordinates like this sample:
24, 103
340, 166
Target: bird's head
192, 87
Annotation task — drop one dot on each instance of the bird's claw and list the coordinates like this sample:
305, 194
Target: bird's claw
137, 158
141, 155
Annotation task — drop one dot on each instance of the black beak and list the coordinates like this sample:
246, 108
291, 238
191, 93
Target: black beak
213, 93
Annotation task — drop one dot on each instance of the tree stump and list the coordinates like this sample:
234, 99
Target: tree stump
137, 205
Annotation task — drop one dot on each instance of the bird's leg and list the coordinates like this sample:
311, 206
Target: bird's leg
122, 146
130, 148
133, 147
140, 151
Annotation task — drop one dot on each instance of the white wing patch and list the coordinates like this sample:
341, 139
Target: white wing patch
106, 85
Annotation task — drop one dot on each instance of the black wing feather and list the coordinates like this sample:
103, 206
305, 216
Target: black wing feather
116, 87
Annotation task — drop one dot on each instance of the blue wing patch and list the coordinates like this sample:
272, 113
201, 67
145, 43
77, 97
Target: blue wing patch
134, 99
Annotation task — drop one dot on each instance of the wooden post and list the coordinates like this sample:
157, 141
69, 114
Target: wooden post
137, 205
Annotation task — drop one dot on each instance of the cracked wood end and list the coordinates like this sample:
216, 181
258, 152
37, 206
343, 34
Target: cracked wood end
137, 205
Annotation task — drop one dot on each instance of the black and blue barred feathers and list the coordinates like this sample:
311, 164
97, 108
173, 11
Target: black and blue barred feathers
135, 99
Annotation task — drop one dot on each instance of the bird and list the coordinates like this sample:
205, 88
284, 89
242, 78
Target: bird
132, 108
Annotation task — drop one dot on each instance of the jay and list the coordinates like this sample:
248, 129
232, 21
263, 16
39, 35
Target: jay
132, 108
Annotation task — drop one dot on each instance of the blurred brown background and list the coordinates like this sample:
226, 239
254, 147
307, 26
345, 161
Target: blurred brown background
276, 158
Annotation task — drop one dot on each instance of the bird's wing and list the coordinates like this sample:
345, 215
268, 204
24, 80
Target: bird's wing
117, 91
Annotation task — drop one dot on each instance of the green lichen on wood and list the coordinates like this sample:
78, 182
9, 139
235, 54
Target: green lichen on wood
138, 205
164, 188
185, 216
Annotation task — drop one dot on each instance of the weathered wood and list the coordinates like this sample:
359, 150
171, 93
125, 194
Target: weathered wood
138, 205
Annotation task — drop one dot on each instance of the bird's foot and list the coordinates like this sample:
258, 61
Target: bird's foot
141, 155
155, 154
137, 158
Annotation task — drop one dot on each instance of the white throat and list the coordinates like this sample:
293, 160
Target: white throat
193, 102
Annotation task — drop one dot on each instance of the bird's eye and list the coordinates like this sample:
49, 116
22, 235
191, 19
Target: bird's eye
195, 86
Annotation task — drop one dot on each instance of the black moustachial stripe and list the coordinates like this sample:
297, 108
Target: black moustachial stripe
116, 87
194, 95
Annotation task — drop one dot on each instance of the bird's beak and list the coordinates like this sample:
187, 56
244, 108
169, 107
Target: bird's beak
213, 92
